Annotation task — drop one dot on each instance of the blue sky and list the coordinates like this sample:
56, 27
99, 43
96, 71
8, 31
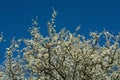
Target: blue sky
16, 15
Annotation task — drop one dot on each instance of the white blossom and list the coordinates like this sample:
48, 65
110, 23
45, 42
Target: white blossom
62, 56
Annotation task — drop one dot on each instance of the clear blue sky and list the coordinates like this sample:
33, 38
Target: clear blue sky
16, 15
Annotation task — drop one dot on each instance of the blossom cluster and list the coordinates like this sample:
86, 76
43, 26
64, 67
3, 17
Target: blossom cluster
62, 56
